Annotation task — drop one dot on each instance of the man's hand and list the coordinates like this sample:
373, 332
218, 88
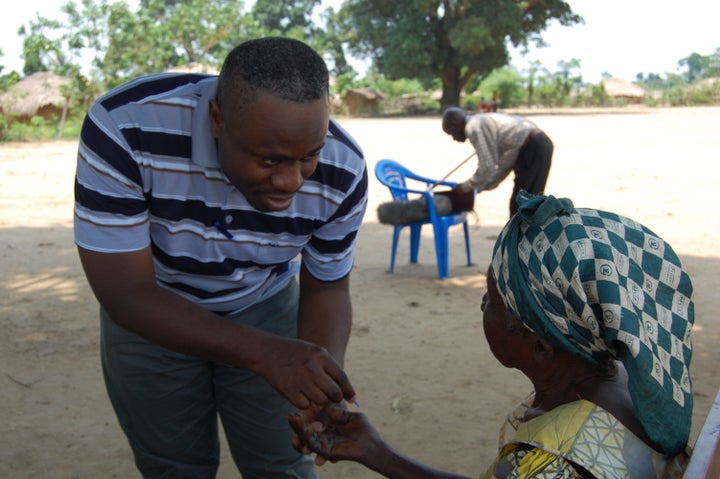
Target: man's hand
463, 187
304, 373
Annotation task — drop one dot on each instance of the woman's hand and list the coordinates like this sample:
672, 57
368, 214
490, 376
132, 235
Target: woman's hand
335, 434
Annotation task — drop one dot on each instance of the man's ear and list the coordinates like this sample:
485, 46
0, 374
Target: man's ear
216, 118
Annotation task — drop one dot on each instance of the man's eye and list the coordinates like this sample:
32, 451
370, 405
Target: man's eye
271, 161
310, 158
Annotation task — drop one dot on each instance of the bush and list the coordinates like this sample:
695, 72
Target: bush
37, 129
704, 95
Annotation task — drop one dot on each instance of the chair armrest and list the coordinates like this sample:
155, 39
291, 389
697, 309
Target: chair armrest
451, 184
428, 181
705, 458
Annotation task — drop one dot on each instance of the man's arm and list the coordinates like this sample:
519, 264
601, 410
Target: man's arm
325, 315
483, 135
125, 285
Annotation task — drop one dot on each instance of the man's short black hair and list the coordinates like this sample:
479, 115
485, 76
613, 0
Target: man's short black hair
283, 67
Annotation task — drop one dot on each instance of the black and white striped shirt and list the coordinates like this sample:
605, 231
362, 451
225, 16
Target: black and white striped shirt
148, 174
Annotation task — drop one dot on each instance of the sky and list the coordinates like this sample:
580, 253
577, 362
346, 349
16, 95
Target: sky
619, 37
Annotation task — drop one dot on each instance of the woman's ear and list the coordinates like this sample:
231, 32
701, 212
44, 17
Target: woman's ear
543, 351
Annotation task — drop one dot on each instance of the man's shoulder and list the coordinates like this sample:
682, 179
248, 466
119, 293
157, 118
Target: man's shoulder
155, 86
338, 134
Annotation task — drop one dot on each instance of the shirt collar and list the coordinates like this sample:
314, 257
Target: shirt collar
204, 147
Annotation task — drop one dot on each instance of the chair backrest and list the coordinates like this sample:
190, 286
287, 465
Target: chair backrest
393, 175
705, 459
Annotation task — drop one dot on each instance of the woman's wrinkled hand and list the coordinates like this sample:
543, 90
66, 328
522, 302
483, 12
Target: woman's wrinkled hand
334, 434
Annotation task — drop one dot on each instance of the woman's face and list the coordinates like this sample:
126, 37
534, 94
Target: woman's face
503, 332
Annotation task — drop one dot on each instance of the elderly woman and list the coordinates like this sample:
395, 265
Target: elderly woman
596, 310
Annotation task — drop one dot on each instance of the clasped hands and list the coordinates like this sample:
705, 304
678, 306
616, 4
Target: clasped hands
333, 433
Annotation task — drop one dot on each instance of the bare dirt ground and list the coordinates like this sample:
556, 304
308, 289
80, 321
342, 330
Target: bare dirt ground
417, 354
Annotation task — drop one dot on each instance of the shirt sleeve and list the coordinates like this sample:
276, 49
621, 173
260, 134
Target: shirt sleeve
330, 253
483, 133
110, 213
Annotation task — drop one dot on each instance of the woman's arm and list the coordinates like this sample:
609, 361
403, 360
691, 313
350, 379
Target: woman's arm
340, 434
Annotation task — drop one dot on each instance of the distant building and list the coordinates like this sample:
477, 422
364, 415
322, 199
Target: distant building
622, 90
40, 94
359, 101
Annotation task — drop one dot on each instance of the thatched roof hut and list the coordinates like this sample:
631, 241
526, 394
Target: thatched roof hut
193, 67
619, 89
40, 94
363, 100
705, 83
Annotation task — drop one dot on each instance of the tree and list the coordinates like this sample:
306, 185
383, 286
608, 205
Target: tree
453, 40
534, 70
701, 66
507, 82
333, 36
293, 19
283, 17
696, 65
567, 78
124, 43
40, 52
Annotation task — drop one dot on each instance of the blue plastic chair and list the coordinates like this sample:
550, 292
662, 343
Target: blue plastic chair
395, 176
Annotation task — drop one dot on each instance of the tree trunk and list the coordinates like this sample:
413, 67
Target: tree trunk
450, 89
63, 117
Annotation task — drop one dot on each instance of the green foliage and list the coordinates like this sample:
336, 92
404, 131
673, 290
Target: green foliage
281, 17
391, 88
125, 43
507, 82
704, 94
699, 66
161, 34
172, 36
696, 66
653, 81
454, 41
416, 47
3, 128
330, 41
40, 52
37, 128
7, 81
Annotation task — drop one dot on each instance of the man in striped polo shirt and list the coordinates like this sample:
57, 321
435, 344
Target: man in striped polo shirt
195, 196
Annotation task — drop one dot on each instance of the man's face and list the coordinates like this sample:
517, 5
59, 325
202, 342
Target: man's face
268, 149
455, 129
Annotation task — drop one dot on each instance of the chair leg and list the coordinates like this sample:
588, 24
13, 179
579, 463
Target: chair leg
467, 243
441, 250
414, 242
393, 251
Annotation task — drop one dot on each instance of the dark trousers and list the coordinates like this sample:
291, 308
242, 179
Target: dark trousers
532, 168
168, 403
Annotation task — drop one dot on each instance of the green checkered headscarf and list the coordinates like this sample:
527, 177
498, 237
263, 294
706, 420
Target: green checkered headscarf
603, 286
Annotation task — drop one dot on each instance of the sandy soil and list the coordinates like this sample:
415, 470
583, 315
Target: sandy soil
417, 354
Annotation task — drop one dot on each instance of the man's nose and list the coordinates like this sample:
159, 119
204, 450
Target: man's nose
289, 178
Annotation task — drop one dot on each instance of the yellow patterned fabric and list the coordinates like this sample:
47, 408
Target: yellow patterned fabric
578, 440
